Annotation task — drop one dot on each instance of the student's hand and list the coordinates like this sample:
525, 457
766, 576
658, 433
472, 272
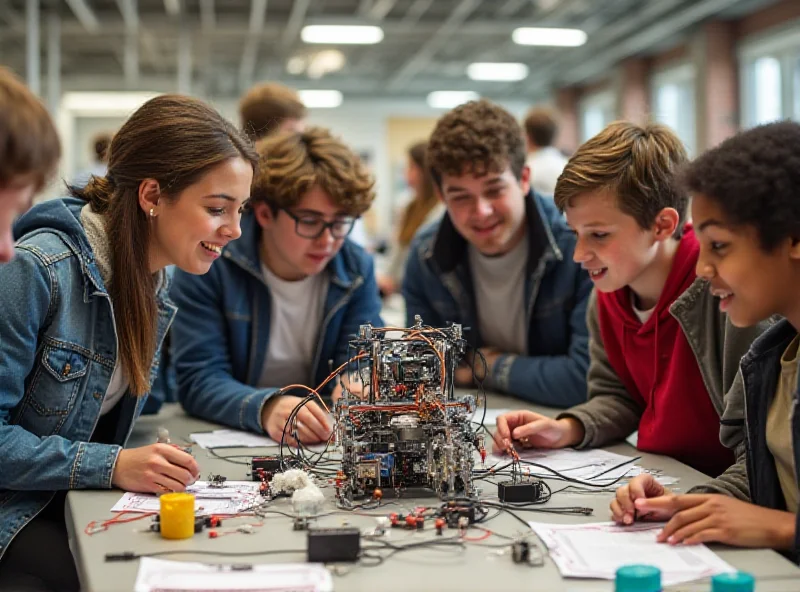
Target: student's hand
386, 285
313, 425
623, 509
154, 469
536, 431
705, 518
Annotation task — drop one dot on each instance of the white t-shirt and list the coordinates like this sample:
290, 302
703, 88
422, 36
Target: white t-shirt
499, 284
642, 315
546, 165
295, 319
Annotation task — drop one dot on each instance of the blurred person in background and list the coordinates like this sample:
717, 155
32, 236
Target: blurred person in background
269, 108
424, 207
29, 153
545, 160
100, 145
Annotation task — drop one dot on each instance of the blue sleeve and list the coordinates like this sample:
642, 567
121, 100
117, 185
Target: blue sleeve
364, 307
206, 386
29, 300
417, 276
554, 381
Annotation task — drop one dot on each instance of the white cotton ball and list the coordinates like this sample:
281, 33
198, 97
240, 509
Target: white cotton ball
308, 501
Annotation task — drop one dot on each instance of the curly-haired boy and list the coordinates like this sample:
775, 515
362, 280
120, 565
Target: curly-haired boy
284, 299
500, 262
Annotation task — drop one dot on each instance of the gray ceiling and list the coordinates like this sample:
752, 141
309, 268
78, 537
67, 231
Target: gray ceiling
228, 44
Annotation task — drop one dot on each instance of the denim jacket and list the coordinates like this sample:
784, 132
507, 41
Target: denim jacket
761, 369
58, 349
438, 287
221, 333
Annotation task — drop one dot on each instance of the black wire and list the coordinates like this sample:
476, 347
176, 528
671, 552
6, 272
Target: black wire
130, 556
229, 458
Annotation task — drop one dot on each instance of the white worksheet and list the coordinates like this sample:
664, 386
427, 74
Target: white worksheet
598, 550
594, 465
231, 439
233, 498
162, 575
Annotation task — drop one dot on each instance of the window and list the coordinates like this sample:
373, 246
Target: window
770, 77
673, 100
597, 111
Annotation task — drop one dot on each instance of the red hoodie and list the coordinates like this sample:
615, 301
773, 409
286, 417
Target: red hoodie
660, 371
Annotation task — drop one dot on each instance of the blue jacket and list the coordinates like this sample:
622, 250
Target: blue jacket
58, 349
761, 369
221, 333
438, 286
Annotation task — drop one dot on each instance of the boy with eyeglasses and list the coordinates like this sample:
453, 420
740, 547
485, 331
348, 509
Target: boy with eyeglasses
285, 298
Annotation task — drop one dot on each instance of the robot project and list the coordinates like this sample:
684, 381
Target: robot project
406, 429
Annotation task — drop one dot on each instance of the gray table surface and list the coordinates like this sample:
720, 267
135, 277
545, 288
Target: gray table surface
473, 568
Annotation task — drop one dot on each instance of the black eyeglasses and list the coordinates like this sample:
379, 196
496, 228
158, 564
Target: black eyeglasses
311, 226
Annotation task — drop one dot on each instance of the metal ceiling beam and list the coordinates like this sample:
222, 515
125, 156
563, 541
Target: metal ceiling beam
510, 7
417, 63
130, 14
645, 38
380, 9
53, 61
173, 7
84, 14
294, 24
602, 35
247, 67
208, 18
364, 6
33, 59
416, 11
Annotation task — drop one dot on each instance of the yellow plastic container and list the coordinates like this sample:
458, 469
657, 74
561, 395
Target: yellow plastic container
177, 515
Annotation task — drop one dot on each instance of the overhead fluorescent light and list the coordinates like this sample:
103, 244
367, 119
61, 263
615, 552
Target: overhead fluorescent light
121, 103
342, 34
506, 71
447, 99
551, 37
320, 99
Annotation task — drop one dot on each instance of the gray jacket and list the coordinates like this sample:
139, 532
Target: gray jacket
612, 414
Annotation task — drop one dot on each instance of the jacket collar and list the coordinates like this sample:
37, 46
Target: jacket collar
450, 247
244, 252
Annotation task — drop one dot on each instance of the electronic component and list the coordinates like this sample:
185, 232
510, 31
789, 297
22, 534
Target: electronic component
524, 552
408, 429
452, 512
262, 468
216, 481
333, 544
516, 492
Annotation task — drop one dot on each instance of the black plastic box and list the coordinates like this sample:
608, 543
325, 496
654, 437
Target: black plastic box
333, 544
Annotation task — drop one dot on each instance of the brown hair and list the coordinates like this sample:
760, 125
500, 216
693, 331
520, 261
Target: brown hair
29, 145
637, 163
541, 126
102, 142
265, 106
293, 162
175, 140
477, 137
417, 211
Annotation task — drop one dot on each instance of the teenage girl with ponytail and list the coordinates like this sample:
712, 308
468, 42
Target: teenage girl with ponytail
84, 311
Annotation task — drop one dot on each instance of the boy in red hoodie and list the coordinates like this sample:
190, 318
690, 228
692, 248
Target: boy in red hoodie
663, 357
